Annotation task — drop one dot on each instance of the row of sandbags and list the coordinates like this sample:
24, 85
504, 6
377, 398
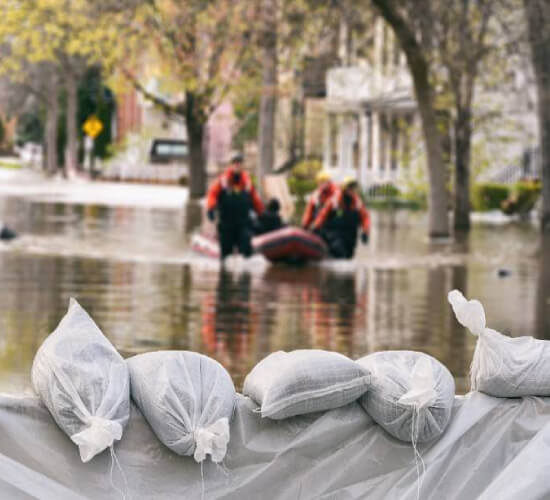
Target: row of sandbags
188, 398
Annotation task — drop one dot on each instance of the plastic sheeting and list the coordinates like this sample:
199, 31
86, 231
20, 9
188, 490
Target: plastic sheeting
493, 448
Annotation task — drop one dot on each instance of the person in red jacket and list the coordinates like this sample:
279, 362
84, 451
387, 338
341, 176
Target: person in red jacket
340, 219
232, 197
317, 200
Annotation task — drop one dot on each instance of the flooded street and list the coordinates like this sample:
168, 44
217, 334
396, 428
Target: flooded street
132, 270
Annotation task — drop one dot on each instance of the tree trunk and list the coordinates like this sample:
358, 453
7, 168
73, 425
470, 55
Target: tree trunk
195, 122
268, 104
418, 66
463, 135
52, 118
538, 22
71, 156
438, 198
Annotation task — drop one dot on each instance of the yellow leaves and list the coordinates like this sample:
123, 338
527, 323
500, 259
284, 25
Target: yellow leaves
10, 66
190, 45
118, 83
48, 30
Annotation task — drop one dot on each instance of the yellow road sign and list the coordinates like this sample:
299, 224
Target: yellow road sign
92, 126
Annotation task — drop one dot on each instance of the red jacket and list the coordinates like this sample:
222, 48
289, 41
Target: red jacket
225, 181
317, 201
336, 203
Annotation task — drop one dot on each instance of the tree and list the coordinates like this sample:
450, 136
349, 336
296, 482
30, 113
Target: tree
202, 45
289, 31
94, 98
38, 82
474, 47
460, 30
65, 37
457, 41
268, 102
411, 42
537, 13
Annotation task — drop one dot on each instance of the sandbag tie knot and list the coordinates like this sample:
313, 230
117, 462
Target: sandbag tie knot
422, 393
99, 435
212, 440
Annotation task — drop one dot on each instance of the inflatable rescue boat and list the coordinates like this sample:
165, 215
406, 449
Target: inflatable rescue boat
205, 244
289, 244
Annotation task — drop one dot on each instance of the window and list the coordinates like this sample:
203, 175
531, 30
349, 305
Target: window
164, 149
168, 150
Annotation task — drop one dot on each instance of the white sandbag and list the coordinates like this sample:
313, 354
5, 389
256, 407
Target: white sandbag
285, 384
188, 400
410, 395
503, 366
84, 383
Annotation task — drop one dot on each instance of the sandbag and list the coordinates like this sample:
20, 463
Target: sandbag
503, 366
411, 394
188, 400
84, 383
285, 384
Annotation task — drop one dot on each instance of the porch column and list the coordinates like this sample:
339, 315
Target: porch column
375, 153
395, 147
327, 145
342, 142
363, 149
388, 145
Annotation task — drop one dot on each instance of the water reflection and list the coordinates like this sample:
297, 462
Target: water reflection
392, 297
193, 216
227, 322
542, 307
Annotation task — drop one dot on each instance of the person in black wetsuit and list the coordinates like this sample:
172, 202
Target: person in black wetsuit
232, 197
270, 219
339, 221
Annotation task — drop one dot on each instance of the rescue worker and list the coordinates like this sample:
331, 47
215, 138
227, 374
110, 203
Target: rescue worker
270, 220
233, 197
340, 219
324, 192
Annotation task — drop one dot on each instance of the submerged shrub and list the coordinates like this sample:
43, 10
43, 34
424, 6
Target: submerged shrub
302, 177
523, 197
489, 196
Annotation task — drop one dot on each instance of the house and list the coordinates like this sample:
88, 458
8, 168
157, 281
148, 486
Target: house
370, 114
372, 128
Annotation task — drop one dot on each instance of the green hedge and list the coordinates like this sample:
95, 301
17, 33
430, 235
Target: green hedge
383, 191
301, 187
302, 178
489, 196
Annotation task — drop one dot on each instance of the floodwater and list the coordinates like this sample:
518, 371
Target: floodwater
132, 270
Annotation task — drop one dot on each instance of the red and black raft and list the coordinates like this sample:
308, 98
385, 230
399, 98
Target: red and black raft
290, 244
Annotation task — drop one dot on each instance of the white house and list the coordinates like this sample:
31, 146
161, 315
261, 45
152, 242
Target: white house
372, 127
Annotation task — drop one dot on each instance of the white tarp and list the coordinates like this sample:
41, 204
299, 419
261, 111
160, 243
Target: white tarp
493, 448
